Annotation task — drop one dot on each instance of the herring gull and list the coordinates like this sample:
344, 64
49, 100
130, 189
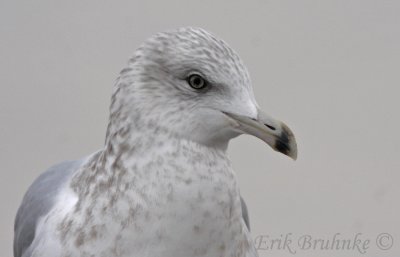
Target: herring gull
162, 185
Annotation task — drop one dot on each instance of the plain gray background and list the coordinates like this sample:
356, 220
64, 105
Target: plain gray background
329, 69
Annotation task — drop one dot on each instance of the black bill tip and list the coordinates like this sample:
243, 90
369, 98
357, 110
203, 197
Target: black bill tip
285, 143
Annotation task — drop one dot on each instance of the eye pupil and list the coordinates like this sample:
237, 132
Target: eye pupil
196, 81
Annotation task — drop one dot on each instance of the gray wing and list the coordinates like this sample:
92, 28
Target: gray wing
245, 213
37, 202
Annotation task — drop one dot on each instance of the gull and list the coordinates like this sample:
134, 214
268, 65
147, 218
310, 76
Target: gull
162, 185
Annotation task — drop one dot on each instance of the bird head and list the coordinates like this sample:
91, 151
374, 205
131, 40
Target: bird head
191, 84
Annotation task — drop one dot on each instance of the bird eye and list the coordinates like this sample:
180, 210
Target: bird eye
197, 82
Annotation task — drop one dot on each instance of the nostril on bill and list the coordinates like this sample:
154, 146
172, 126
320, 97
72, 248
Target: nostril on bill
271, 127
